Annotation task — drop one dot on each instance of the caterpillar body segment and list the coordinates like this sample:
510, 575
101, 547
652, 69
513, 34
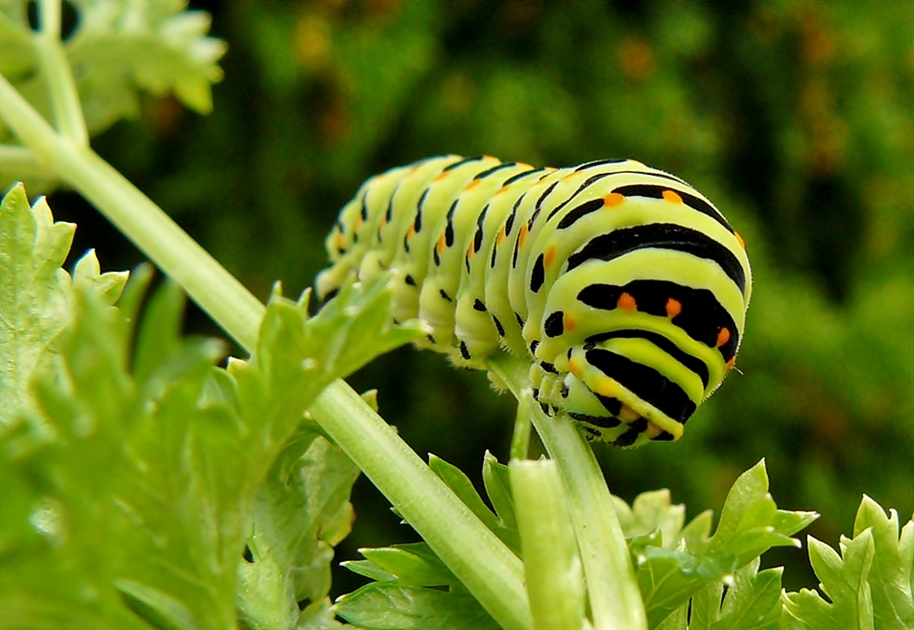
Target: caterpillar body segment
625, 287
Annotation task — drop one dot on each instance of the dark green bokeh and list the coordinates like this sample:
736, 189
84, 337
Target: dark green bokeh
797, 118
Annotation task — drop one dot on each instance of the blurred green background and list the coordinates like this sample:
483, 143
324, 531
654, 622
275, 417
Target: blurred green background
796, 118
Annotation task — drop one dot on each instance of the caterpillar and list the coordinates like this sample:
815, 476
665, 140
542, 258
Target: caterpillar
625, 287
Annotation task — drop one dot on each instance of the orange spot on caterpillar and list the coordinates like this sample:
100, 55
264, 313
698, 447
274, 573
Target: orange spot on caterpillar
471, 251
739, 239
441, 176
673, 307
672, 196
383, 222
575, 368
523, 165
340, 241
502, 190
549, 257
626, 302
523, 235
441, 244
501, 236
731, 363
411, 232
473, 184
723, 336
357, 223
613, 199
628, 415
569, 322
651, 431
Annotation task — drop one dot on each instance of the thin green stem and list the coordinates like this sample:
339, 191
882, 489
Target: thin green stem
50, 17
19, 163
490, 570
55, 69
615, 600
520, 439
219, 293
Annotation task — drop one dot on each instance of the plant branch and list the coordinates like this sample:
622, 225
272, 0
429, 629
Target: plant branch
615, 600
489, 569
55, 69
19, 163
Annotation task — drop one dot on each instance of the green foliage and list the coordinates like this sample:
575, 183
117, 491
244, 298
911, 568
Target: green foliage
678, 567
132, 470
121, 47
34, 293
868, 585
141, 484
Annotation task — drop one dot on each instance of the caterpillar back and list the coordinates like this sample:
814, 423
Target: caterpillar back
625, 287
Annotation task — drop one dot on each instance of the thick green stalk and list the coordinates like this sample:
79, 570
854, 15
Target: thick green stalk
488, 569
552, 565
485, 566
615, 600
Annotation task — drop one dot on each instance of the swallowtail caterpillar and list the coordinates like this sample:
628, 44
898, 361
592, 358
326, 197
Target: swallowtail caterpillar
625, 287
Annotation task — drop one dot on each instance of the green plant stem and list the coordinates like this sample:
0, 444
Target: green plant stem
19, 163
488, 569
552, 566
55, 70
615, 599
219, 293
520, 438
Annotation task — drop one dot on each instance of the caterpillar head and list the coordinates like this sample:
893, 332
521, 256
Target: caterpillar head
626, 392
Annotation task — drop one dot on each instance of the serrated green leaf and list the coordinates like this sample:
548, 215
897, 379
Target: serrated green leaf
752, 602
672, 570
318, 616
457, 481
369, 570
844, 580
749, 488
668, 578
705, 606
497, 479
408, 568
35, 294
129, 492
384, 605
301, 511
677, 620
890, 576
697, 532
158, 334
118, 49
356, 326
110, 284
651, 511
33, 301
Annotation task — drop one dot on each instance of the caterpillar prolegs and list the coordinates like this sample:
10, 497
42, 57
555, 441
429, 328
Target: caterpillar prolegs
625, 287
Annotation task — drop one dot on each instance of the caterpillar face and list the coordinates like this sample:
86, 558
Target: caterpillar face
625, 287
